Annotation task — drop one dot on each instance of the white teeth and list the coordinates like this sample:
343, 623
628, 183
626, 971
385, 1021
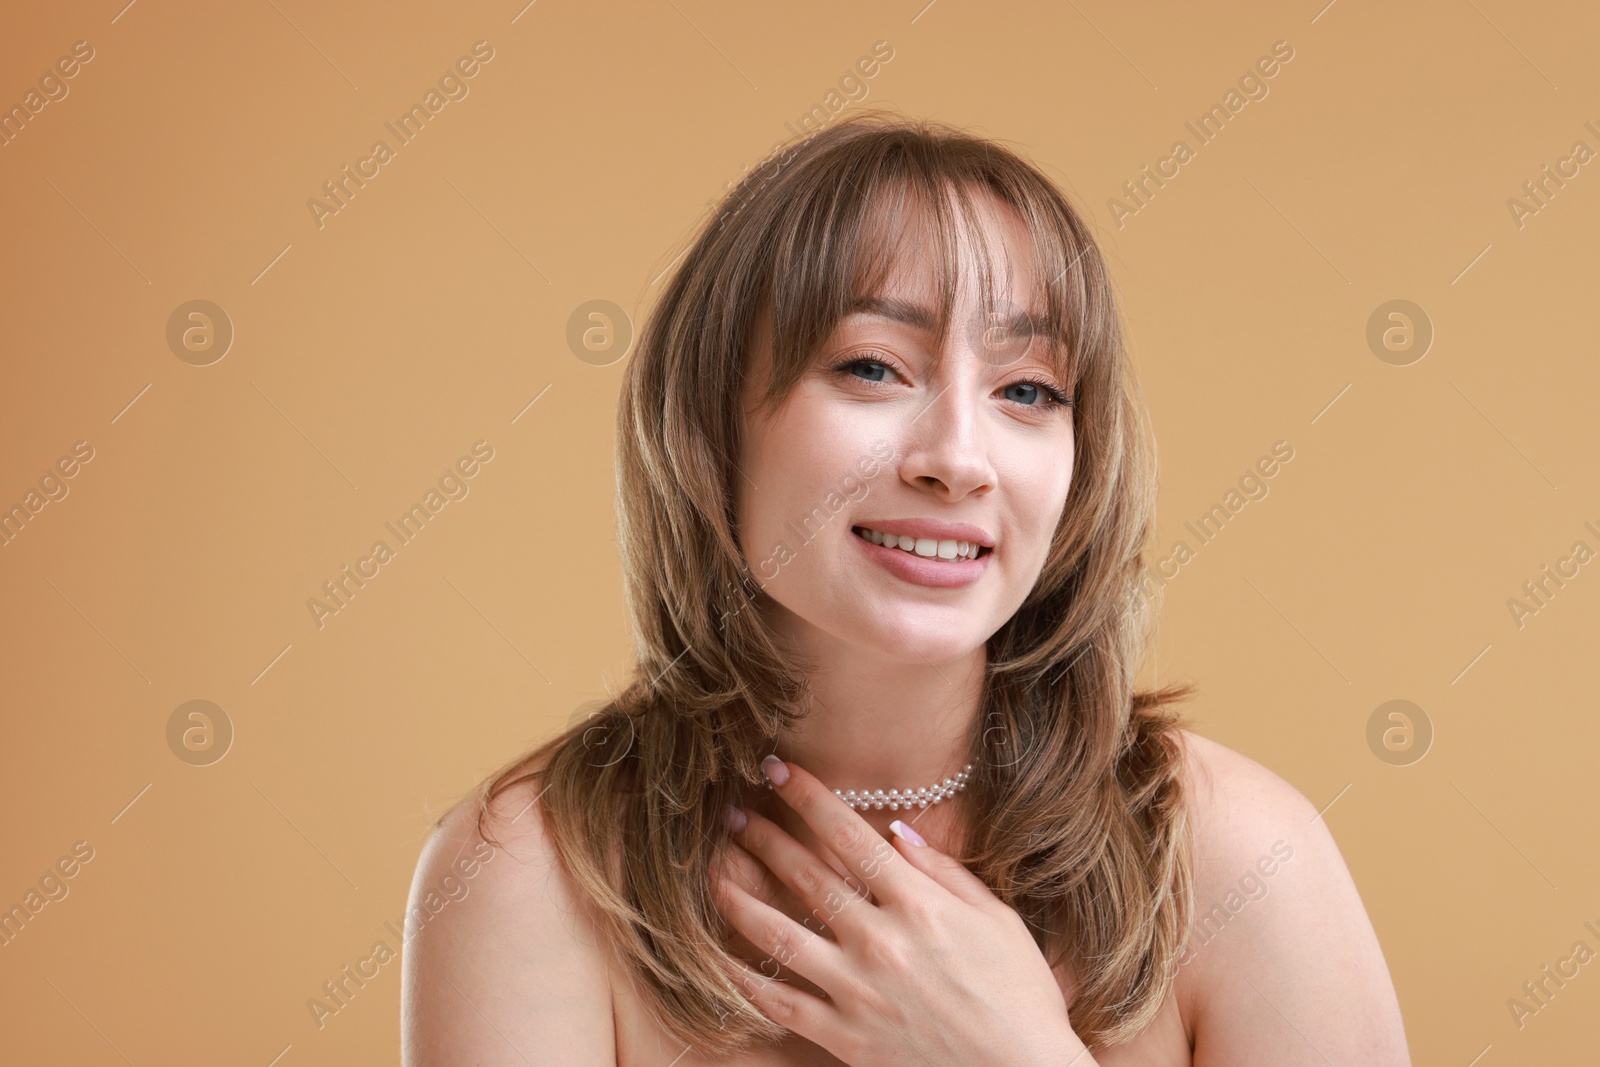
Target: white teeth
926, 547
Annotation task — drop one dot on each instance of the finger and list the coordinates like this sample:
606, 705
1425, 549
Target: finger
845, 833
746, 871
942, 867
824, 893
786, 942
753, 876
803, 1013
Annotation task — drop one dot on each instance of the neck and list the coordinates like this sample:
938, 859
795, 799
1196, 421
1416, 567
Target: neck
874, 723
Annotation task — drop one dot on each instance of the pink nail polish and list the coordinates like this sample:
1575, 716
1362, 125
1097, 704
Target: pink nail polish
736, 819
775, 769
905, 832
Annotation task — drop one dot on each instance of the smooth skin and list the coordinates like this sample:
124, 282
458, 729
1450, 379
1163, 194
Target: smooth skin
511, 974
925, 967
1247, 992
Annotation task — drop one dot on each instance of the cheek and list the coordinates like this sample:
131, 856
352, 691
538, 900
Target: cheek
1038, 490
1056, 473
805, 450
781, 474
1063, 484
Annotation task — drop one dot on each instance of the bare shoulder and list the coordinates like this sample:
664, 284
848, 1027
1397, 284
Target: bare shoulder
501, 963
1283, 966
1224, 786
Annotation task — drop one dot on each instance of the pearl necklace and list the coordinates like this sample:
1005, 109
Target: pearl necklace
895, 799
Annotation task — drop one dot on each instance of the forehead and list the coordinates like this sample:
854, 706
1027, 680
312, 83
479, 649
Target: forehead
908, 293
923, 317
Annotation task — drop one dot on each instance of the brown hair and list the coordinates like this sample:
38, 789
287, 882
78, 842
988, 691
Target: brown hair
1078, 777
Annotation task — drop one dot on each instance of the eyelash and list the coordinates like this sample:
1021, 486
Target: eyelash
1057, 397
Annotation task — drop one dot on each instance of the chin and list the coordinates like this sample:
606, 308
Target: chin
903, 641
892, 627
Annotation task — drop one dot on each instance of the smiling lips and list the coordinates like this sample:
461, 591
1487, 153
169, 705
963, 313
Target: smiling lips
926, 547
942, 555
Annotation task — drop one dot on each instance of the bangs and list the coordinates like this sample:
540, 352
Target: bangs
897, 210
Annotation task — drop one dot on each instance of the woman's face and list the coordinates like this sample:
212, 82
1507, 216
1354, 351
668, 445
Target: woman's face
873, 438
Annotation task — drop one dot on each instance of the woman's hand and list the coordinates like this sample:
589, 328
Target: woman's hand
926, 966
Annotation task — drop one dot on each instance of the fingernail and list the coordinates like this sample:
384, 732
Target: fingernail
901, 830
775, 769
736, 819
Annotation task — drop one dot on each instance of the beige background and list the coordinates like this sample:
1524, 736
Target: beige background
372, 352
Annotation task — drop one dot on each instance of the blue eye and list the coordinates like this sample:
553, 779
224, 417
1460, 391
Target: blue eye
1057, 397
1033, 387
845, 367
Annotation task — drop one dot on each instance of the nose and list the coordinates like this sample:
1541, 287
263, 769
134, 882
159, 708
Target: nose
946, 446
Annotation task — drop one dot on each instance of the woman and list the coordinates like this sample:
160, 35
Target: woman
883, 490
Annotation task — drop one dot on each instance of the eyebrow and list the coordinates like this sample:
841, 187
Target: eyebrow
1026, 323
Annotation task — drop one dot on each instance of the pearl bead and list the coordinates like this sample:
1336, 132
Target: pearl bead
898, 799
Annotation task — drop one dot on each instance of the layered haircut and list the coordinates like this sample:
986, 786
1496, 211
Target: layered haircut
1078, 778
